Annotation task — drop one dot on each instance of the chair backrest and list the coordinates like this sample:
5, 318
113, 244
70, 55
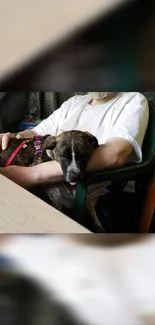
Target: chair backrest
149, 141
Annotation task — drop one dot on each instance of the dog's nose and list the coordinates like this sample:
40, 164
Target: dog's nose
74, 176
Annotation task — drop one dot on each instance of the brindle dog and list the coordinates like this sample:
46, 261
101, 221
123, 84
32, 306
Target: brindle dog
72, 149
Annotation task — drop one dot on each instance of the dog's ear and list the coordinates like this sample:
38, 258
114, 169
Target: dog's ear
48, 146
92, 139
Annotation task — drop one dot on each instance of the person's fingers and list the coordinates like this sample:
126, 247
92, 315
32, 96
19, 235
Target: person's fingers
1, 136
5, 140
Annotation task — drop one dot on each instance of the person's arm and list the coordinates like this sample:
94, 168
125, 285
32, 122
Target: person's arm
5, 138
131, 125
47, 126
125, 138
51, 124
28, 177
111, 155
27, 133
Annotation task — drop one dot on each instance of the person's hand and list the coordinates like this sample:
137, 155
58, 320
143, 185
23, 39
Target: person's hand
5, 138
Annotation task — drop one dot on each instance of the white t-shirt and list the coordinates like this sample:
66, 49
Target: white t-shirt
125, 116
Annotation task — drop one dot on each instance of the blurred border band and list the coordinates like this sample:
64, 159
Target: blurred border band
113, 52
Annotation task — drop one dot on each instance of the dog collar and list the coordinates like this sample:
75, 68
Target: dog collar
37, 145
38, 151
14, 154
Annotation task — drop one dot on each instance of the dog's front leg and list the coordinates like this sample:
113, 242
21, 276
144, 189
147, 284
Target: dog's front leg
90, 208
55, 197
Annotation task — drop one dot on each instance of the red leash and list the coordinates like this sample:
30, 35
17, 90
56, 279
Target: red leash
14, 154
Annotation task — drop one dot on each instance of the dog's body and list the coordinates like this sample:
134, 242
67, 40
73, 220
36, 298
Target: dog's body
25, 156
72, 149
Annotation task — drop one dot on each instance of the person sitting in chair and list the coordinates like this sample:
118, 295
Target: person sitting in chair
117, 119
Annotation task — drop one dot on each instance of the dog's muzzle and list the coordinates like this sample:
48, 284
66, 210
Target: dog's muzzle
73, 176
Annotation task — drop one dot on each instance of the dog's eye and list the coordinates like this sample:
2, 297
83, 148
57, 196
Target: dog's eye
78, 156
64, 159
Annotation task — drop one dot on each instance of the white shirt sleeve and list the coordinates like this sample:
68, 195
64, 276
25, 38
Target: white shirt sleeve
131, 125
50, 125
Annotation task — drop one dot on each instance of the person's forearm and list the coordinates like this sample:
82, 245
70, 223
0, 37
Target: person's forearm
47, 173
19, 175
27, 133
105, 157
28, 177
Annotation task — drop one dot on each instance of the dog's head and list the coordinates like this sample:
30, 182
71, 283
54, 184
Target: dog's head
72, 149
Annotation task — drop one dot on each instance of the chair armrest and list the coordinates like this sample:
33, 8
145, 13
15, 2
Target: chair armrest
125, 172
